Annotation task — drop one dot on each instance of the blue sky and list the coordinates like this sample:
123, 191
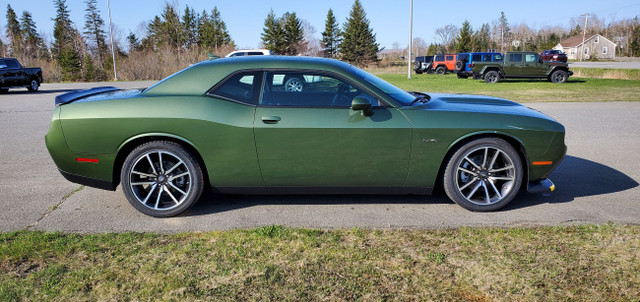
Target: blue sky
389, 19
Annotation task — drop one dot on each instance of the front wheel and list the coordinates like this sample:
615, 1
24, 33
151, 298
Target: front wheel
559, 76
440, 70
161, 179
483, 175
33, 85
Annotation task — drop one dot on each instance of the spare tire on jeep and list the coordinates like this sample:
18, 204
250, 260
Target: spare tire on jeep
460, 65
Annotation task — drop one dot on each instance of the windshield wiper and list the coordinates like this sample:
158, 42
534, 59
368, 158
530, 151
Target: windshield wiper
420, 97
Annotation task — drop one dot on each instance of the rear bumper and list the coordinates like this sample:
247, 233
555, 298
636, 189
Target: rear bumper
88, 181
541, 186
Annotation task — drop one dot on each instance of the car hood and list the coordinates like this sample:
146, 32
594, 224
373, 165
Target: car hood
477, 103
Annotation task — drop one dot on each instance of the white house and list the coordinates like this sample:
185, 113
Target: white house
595, 45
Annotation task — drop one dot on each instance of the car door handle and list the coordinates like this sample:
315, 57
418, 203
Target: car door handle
270, 119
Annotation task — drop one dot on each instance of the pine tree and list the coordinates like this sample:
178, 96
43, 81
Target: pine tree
293, 35
134, 43
33, 44
212, 30
273, 35
94, 30
359, 43
172, 31
505, 31
331, 36
464, 41
190, 26
482, 38
13, 32
64, 50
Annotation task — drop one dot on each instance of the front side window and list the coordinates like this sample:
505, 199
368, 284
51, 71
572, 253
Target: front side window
12, 64
439, 58
243, 87
530, 58
308, 89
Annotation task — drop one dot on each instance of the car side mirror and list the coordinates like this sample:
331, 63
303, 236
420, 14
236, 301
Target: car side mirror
362, 103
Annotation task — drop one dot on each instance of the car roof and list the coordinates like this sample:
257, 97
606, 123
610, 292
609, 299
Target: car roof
200, 77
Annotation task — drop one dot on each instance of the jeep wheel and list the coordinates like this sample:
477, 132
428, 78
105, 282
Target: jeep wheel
492, 77
418, 72
440, 70
460, 65
558, 76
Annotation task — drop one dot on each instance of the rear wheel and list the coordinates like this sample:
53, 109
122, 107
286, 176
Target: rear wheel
161, 179
440, 70
492, 77
483, 175
558, 76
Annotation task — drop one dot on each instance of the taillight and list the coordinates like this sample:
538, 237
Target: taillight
472, 65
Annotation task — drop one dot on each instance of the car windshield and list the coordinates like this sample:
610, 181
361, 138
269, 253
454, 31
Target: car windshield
402, 97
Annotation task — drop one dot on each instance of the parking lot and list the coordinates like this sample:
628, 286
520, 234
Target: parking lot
596, 183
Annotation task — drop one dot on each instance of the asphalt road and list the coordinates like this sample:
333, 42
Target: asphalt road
596, 183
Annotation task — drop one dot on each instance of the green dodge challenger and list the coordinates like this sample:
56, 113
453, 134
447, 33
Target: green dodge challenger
278, 125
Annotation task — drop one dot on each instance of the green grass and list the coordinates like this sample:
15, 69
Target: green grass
523, 91
274, 263
607, 73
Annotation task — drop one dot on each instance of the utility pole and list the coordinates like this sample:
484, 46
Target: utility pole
113, 51
410, 38
584, 33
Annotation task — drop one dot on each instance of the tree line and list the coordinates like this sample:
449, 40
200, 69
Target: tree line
177, 38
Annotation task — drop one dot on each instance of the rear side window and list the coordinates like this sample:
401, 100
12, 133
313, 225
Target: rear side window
243, 87
476, 58
255, 53
450, 58
515, 57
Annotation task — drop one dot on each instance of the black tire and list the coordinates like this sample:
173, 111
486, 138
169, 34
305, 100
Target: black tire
440, 70
33, 85
483, 175
418, 72
293, 84
492, 77
558, 76
161, 179
460, 65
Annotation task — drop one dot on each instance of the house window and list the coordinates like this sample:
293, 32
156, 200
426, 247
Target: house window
597, 39
572, 51
604, 50
586, 50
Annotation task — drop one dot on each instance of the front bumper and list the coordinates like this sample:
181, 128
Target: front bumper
541, 186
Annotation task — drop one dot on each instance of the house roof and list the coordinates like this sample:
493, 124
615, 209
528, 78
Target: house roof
577, 40
572, 41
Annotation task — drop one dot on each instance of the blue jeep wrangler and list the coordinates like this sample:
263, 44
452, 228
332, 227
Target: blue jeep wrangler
465, 60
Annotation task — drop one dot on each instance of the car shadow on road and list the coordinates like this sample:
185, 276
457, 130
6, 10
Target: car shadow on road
577, 177
574, 177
